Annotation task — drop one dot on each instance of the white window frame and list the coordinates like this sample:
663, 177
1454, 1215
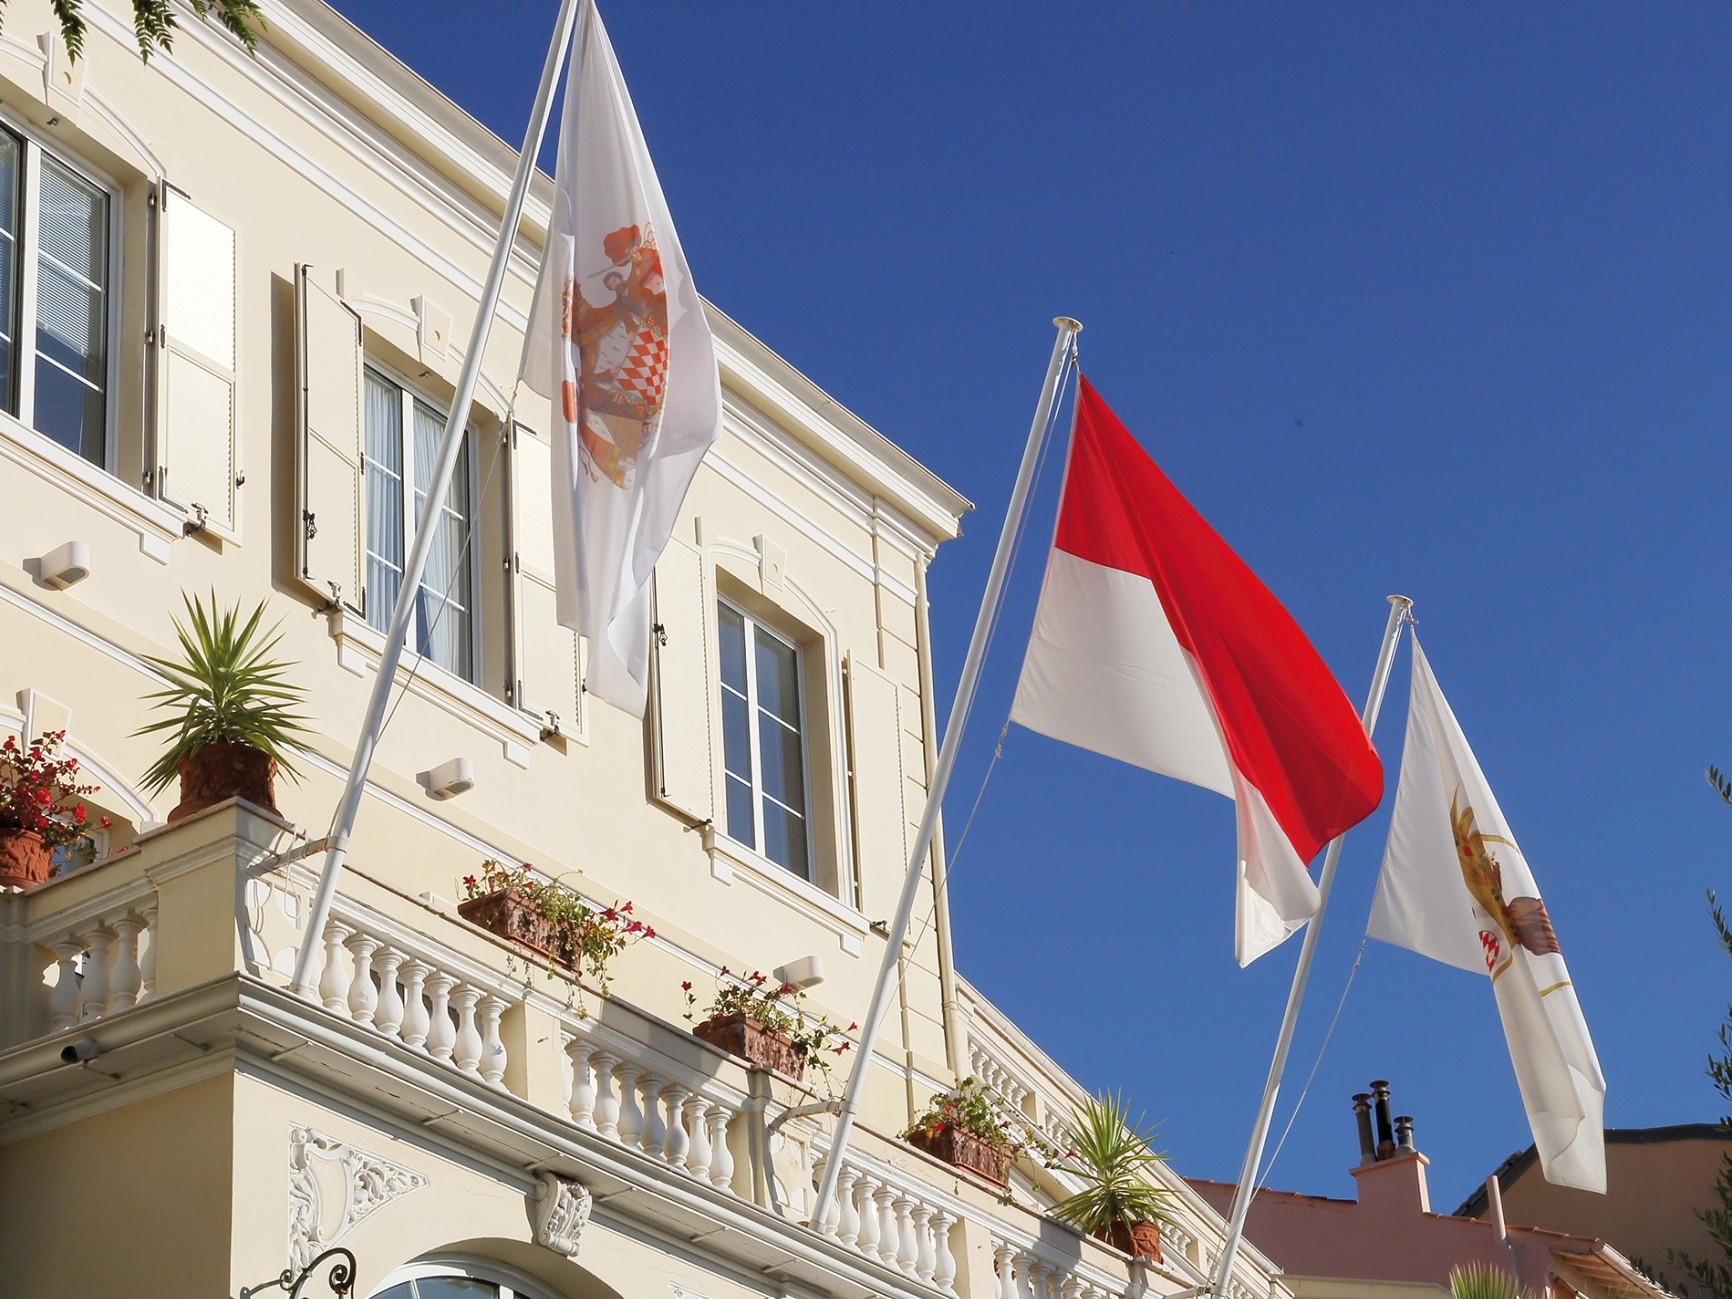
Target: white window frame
467, 464
755, 626
511, 1283
27, 252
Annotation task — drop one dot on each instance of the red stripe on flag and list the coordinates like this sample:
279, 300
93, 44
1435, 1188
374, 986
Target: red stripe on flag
1290, 730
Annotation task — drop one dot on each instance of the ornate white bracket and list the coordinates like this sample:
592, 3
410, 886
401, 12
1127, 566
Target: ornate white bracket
560, 1210
333, 1186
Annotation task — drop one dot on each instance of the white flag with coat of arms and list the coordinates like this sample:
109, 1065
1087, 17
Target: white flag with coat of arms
618, 340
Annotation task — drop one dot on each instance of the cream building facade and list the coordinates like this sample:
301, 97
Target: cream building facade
240, 288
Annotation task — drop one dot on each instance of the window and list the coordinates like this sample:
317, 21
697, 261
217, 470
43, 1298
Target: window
402, 441
458, 1281
54, 297
763, 740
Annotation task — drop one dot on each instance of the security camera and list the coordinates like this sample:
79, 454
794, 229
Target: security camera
85, 1048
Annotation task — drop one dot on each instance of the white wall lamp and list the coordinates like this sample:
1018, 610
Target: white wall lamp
807, 972
448, 779
64, 565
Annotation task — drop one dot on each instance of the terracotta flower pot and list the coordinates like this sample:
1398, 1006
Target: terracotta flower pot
751, 1041
1138, 1239
962, 1149
25, 861
223, 770
510, 916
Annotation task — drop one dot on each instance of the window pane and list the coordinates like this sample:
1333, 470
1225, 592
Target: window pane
72, 312
778, 679
740, 825
785, 839
453, 1287
736, 735
443, 603
733, 643
779, 760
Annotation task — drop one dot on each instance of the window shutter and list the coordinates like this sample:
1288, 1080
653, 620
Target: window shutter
683, 769
875, 755
546, 654
328, 475
198, 468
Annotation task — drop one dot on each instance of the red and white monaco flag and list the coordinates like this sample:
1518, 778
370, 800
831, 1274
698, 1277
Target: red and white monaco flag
1155, 644
1455, 887
618, 340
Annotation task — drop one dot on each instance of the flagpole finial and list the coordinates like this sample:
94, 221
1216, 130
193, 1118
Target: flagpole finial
1402, 604
1066, 322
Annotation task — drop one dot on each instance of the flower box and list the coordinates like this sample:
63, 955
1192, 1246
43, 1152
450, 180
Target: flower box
962, 1149
509, 915
25, 860
754, 1043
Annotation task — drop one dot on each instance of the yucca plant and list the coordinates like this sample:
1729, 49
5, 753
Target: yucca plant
1111, 1155
1482, 1281
224, 688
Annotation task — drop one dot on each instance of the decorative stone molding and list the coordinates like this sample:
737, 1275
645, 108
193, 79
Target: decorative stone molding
333, 1186
560, 1210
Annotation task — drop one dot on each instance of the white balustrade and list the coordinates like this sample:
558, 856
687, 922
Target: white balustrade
99, 969
894, 1223
639, 1103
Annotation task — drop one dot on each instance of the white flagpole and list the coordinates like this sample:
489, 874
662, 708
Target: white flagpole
450, 444
1068, 329
1399, 607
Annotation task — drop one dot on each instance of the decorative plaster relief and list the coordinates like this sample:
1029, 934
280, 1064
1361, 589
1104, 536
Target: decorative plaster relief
333, 1186
560, 1210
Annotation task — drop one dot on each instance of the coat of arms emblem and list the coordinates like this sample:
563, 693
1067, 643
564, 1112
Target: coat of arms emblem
619, 349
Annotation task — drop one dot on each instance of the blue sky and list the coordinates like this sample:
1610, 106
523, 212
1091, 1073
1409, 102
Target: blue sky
1430, 299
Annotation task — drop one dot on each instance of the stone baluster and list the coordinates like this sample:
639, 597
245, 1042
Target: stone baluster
147, 958
334, 979
1074, 1286
128, 979
944, 1259
581, 1102
925, 1256
466, 1051
907, 1244
889, 1232
1004, 1258
388, 1018
655, 1130
871, 1221
416, 1020
697, 1125
1039, 1277
678, 1144
606, 1102
64, 1002
441, 1032
847, 1217
93, 994
363, 996
1025, 1267
721, 1157
630, 1126
492, 1045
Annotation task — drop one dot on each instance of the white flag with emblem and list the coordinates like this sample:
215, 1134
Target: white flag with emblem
617, 338
1455, 887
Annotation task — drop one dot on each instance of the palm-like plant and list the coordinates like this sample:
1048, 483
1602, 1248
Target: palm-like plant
224, 687
1110, 1154
1482, 1281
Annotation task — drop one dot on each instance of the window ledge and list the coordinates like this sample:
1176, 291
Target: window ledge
157, 525
361, 646
731, 860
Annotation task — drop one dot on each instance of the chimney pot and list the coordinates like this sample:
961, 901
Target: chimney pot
1362, 1118
1385, 1132
1404, 1131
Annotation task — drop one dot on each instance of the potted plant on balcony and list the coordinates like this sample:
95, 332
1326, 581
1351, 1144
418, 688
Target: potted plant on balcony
964, 1128
1116, 1203
763, 1022
550, 919
41, 808
233, 718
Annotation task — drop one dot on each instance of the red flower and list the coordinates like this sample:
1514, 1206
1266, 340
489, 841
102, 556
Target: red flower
469, 881
649, 932
103, 822
686, 986
78, 814
43, 796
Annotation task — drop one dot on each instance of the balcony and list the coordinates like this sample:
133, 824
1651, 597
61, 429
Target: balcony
175, 955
